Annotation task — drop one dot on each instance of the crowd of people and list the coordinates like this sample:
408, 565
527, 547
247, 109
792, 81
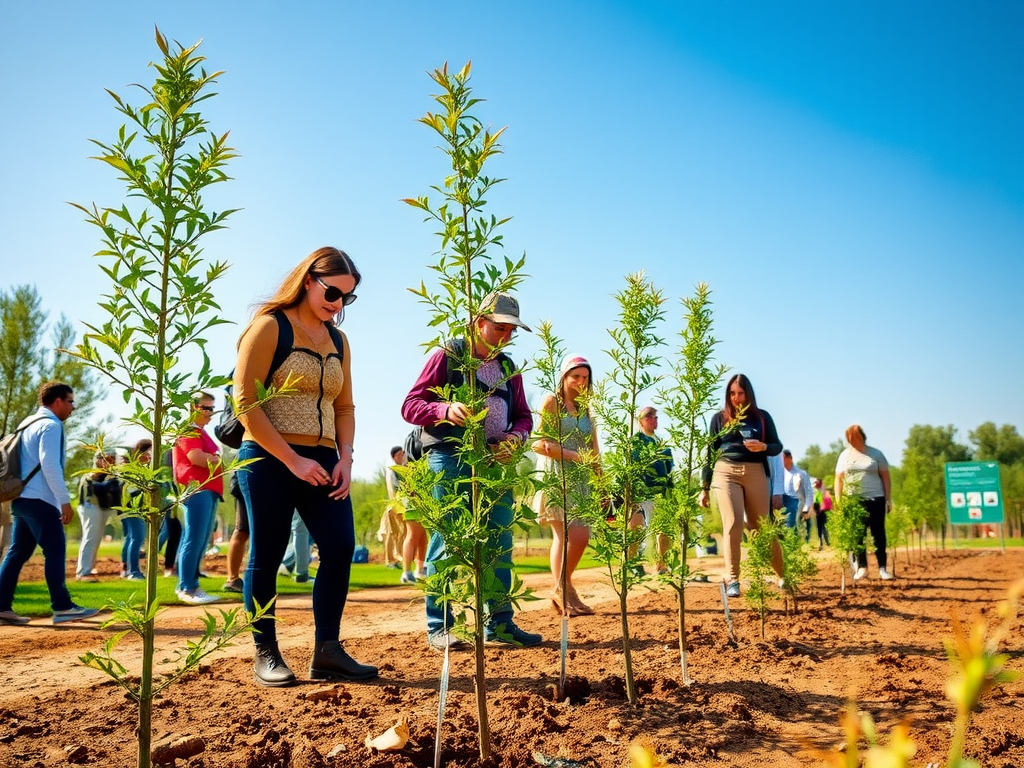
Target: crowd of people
295, 491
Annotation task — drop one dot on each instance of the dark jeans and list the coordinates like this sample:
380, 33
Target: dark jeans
170, 533
875, 509
35, 523
271, 494
450, 469
821, 518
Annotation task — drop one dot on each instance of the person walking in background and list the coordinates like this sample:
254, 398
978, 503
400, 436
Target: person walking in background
414, 548
196, 460
169, 538
508, 422
298, 554
863, 472
797, 497
565, 413
134, 527
304, 444
42, 510
822, 506
239, 538
98, 493
657, 456
740, 475
391, 532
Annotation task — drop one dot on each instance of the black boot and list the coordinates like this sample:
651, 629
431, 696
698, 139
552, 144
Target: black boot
331, 661
270, 669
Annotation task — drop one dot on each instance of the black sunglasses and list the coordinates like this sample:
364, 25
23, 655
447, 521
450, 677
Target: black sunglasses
207, 408
332, 294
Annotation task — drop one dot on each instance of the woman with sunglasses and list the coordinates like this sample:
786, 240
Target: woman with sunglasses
195, 458
304, 445
743, 436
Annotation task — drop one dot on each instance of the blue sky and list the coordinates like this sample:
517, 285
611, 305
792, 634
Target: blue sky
847, 177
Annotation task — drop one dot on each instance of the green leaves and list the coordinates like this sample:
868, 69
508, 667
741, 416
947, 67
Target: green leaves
158, 311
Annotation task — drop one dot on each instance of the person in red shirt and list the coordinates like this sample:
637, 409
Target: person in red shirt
196, 460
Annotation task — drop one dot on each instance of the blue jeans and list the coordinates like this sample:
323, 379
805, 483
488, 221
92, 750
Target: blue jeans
438, 617
134, 534
296, 557
199, 508
792, 505
35, 522
272, 493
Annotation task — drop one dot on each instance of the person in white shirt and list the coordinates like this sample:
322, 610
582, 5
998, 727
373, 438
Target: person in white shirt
797, 494
863, 472
43, 508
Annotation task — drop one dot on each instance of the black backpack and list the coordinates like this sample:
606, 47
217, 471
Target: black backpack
11, 481
413, 445
230, 430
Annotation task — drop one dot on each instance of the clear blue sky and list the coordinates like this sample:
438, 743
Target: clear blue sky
848, 178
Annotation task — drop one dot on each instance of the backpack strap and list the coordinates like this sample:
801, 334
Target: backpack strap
285, 339
21, 428
339, 340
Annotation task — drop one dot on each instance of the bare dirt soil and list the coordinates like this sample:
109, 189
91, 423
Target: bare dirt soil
759, 702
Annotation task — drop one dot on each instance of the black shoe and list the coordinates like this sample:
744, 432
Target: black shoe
270, 669
331, 661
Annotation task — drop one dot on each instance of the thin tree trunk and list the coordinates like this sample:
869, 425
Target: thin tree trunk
630, 683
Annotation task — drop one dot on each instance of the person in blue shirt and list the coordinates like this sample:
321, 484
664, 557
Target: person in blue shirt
43, 508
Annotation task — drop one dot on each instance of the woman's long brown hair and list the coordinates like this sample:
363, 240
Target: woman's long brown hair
323, 262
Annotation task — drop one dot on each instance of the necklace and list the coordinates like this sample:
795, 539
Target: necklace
323, 332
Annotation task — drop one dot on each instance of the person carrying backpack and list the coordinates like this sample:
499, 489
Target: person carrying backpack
98, 493
43, 508
304, 446
508, 420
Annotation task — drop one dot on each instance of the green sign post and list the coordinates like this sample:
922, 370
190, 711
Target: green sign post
974, 493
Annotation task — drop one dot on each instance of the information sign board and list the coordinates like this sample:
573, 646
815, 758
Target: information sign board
974, 494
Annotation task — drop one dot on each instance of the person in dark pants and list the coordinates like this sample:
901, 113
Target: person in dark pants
43, 508
170, 529
304, 446
862, 471
239, 538
508, 422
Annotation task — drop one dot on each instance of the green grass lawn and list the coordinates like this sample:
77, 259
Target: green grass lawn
33, 599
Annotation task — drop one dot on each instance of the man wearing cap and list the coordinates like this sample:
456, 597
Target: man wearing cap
797, 494
508, 422
657, 456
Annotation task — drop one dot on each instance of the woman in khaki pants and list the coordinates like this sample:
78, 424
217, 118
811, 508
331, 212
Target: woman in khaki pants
743, 437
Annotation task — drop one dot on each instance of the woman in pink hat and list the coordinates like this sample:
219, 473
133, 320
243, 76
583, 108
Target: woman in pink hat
566, 414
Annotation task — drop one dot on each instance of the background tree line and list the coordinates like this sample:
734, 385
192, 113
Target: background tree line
27, 360
919, 482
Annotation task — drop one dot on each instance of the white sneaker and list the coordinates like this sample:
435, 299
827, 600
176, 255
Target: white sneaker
860, 574
884, 575
196, 596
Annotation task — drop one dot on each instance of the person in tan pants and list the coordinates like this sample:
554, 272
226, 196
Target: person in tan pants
744, 436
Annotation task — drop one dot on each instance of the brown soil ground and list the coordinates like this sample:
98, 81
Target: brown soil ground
758, 702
